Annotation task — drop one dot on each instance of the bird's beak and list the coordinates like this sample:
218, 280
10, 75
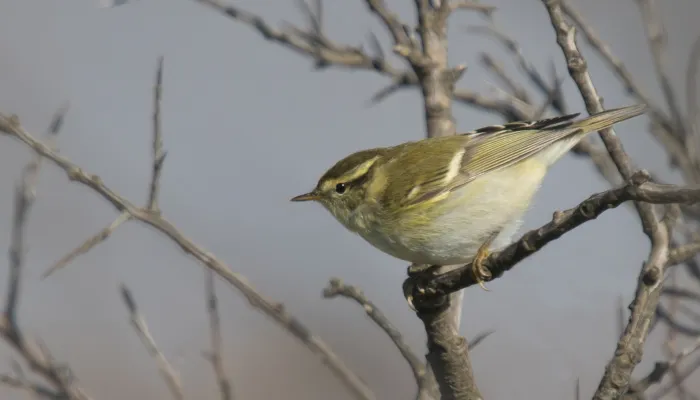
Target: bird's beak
306, 197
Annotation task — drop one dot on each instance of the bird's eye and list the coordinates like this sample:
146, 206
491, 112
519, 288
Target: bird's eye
340, 188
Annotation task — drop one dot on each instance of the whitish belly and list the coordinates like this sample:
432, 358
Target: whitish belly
491, 204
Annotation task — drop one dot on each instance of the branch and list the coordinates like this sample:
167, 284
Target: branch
615, 63
692, 76
11, 126
139, 323
336, 288
657, 43
514, 87
216, 354
448, 356
88, 244
471, 6
36, 390
661, 368
403, 43
525, 66
36, 357
158, 154
637, 189
618, 372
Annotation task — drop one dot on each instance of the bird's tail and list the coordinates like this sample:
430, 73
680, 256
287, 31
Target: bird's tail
581, 128
607, 118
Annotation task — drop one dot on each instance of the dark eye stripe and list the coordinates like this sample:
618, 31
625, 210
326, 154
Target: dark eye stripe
353, 183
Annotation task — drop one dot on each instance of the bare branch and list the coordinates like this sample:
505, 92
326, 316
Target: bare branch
216, 354
525, 66
403, 45
158, 154
661, 393
139, 323
35, 390
471, 5
683, 253
617, 375
88, 244
692, 141
662, 368
656, 33
514, 87
615, 63
38, 360
272, 309
337, 288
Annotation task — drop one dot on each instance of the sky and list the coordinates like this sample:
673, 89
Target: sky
247, 124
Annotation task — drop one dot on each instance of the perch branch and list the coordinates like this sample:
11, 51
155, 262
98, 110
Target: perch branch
637, 189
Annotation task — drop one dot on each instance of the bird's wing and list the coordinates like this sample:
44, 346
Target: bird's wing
484, 150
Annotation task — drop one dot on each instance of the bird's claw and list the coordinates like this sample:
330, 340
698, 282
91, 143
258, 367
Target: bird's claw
481, 273
415, 271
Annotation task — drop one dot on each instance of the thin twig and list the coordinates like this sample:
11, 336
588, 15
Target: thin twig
663, 367
158, 153
471, 5
656, 34
36, 357
272, 309
35, 389
87, 245
139, 323
215, 356
337, 288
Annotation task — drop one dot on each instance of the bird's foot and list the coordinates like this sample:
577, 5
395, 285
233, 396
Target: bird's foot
415, 273
481, 273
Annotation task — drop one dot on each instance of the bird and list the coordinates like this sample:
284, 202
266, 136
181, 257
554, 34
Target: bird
450, 200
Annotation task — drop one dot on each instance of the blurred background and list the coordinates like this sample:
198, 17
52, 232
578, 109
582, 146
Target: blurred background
247, 124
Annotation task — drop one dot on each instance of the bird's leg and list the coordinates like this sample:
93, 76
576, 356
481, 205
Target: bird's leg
480, 272
416, 271
420, 269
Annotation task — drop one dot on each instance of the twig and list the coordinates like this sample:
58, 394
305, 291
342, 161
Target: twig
87, 245
662, 392
215, 356
158, 153
692, 142
139, 323
331, 53
657, 43
662, 368
337, 288
514, 87
403, 44
669, 346
525, 66
272, 309
615, 63
471, 6
683, 253
36, 390
37, 358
